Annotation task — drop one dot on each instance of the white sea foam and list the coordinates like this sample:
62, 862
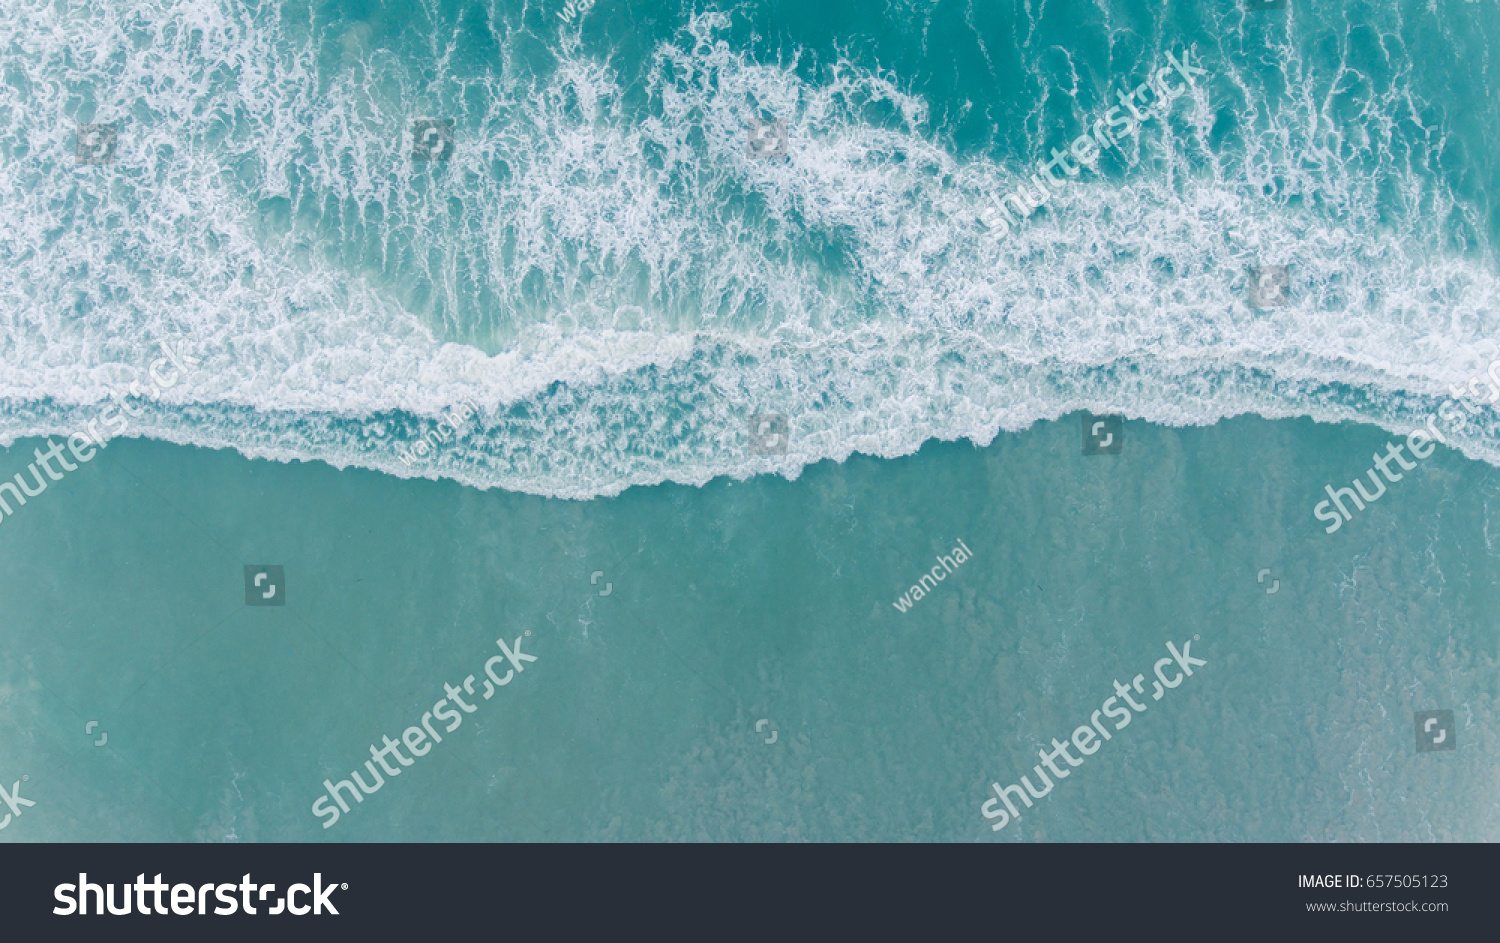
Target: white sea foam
620, 286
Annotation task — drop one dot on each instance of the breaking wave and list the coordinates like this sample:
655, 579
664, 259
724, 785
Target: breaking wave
620, 285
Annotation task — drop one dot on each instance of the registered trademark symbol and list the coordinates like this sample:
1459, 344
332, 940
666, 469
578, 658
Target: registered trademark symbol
25, 778
344, 886
528, 631
1195, 638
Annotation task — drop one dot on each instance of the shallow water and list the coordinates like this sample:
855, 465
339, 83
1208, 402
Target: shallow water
764, 600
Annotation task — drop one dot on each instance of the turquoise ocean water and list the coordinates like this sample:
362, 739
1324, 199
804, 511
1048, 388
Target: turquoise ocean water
619, 285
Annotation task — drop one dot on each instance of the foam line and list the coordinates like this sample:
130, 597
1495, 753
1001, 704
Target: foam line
605, 270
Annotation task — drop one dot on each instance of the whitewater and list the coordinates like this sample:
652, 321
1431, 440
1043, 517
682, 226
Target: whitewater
604, 270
